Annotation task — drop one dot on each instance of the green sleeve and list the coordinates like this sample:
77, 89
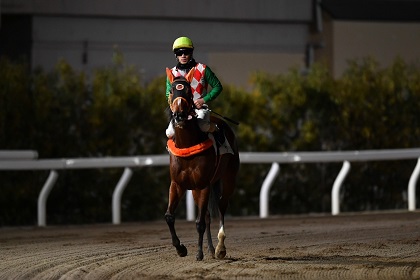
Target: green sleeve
213, 81
168, 88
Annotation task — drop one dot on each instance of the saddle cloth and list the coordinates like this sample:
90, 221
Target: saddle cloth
225, 148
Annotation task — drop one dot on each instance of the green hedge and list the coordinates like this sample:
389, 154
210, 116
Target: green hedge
66, 113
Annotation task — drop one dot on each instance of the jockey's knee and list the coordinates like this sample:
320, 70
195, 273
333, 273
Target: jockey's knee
203, 119
204, 125
203, 114
207, 126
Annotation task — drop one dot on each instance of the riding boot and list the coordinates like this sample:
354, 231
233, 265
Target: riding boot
218, 133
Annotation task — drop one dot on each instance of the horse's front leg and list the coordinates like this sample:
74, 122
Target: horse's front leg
202, 198
175, 195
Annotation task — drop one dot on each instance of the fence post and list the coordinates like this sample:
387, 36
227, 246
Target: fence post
335, 193
43, 197
265, 189
412, 187
190, 206
116, 196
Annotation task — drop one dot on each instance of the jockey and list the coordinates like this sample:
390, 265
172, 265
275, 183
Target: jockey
203, 76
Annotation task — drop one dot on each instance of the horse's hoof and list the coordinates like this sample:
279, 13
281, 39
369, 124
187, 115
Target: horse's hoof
199, 256
182, 250
221, 252
211, 252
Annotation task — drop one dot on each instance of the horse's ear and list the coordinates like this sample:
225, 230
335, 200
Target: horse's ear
190, 75
170, 75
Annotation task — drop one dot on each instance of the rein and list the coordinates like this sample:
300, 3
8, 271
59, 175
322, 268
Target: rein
178, 101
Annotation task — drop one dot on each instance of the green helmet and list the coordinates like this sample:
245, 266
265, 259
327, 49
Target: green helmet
182, 42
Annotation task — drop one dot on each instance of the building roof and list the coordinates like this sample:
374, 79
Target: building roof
375, 10
219, 10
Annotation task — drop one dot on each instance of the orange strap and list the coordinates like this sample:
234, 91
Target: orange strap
186, 152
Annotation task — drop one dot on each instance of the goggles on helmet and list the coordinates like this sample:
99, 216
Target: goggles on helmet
180, 52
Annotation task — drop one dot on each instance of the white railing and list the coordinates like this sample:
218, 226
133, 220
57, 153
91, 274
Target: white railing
26, 161
18, 155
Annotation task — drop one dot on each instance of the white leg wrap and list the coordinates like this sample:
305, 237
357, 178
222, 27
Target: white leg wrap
220, 248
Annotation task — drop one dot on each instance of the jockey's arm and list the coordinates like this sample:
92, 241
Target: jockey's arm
168, 88
216, 85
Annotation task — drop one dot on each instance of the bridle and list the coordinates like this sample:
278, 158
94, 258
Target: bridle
181, 101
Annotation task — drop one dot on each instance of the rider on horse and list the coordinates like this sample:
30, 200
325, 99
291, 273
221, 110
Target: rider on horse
202, 77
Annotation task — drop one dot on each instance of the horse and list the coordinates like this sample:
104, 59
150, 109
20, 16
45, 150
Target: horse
195, 165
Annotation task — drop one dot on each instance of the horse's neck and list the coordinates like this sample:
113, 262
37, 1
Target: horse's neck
189, 136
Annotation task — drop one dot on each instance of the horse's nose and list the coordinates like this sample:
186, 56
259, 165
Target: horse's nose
178, 116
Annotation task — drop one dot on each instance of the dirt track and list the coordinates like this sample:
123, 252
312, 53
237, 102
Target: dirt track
362, 246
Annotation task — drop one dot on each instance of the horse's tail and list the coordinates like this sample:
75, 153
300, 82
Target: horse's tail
214, 198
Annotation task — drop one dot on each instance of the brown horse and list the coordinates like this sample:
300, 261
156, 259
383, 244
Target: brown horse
195, 165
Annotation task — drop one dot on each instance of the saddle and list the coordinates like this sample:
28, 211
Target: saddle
221, 147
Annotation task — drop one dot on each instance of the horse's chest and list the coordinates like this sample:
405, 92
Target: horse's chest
192, 178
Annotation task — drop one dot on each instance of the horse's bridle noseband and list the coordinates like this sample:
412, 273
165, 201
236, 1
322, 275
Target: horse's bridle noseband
181, 102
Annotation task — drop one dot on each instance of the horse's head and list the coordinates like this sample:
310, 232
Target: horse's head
180, 100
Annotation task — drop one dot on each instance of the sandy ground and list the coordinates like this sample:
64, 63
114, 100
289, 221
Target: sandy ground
350, 246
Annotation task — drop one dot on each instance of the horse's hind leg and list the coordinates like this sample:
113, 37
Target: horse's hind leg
175, 195
213, 209
209, 238
201, 197
220, 248
228, 187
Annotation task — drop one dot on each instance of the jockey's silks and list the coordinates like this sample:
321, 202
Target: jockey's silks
198, 82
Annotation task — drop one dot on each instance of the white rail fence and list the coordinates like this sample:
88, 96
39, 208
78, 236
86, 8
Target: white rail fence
27, 160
